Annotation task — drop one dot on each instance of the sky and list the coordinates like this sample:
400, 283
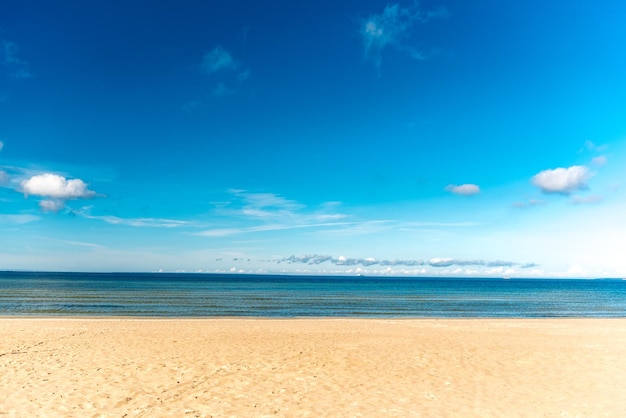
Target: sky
439, 138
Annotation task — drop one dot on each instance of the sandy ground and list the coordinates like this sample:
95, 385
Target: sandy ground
115, 367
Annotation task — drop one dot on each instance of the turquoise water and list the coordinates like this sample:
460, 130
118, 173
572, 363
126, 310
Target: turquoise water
202, 295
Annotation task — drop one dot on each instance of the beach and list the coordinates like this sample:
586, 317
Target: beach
243, 367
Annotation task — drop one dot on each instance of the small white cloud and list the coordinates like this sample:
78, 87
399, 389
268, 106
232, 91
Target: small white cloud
1, 145
463, 189
51, 205
218, 59
4, 178
599, 161
57, 187
562, 180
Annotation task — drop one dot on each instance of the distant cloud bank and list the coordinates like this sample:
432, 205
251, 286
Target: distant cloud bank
315, 259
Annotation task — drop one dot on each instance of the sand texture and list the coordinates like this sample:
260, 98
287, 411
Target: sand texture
116, 367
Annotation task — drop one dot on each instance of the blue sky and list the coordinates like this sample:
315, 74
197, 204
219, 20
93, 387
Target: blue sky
436, 138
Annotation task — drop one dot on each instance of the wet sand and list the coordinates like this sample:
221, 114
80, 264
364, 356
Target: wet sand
116, 367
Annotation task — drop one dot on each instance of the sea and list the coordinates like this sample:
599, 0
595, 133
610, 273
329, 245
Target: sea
283, 296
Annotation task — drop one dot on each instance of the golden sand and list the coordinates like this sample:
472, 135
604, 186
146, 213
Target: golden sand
115, 367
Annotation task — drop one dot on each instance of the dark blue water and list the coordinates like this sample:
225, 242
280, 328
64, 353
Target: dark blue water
201, 295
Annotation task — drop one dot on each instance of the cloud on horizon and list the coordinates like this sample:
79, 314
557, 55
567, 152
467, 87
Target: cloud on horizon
316, 259
391, 27
562, 180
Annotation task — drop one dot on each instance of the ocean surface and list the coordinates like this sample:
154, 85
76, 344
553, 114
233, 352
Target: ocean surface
214, 295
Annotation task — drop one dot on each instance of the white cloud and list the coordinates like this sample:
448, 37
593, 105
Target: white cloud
218, 59
599, 161
562, 180
390, 27
463, 189
51, 205
57, 187
1, 145
4, 178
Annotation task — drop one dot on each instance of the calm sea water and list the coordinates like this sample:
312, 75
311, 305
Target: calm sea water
201, 295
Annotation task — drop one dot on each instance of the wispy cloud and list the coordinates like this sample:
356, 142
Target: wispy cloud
75, 243
391, 27
270, 207
18, 219
463, 189
599, 161
263, 212
248, 212
139, 222
585, 200
15, 66
593, 147
4, 176
224, 232
229, 72
418, 224
529, 203
218, 59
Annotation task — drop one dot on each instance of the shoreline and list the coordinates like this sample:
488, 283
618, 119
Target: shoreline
253, 366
